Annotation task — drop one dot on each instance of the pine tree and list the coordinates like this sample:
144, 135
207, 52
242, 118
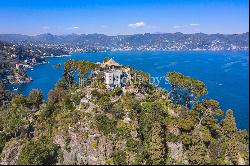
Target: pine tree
216, 153
35, 98
185, 89
229, 124
156, 146
39, 152
197, 154
206, 112
232, 151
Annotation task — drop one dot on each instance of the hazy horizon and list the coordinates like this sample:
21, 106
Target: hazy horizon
121, 34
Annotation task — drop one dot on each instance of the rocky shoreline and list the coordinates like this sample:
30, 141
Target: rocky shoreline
20, 76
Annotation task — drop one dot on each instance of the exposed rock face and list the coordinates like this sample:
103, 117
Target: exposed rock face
83, 147
176, 151
93, 150
11, 152
241, 161
83, 143
174, 130
172, 113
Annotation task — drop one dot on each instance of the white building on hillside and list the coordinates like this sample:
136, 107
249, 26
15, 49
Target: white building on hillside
114, 74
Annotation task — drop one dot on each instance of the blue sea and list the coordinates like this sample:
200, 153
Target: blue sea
226, 74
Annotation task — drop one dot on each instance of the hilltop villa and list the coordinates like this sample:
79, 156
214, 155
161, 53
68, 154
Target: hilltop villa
114, 74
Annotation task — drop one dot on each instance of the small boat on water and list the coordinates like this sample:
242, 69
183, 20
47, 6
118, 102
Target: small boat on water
15, 89
31, 69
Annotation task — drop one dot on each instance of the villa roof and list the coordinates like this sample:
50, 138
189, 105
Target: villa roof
111, 62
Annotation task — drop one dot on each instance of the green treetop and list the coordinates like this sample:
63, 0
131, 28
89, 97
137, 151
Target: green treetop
228, 124
185, 89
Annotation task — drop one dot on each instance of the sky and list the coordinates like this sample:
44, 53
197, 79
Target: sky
114, 17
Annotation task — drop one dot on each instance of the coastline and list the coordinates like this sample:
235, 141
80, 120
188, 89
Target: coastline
27, 79
58, 56
49, 78
113, 51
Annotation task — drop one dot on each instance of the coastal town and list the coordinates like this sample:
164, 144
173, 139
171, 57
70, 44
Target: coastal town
16, 59
74, 43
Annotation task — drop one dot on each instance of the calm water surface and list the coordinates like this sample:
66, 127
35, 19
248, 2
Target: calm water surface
224, 73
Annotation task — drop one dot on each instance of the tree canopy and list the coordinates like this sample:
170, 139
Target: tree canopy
185, 89
82, 67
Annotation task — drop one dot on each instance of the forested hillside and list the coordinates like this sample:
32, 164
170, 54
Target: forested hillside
143, 124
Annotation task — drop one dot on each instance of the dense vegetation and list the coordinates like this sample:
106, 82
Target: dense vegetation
152, 126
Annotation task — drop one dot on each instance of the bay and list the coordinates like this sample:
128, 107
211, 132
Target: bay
226, 73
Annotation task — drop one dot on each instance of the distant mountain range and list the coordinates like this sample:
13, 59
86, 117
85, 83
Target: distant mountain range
147, 41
